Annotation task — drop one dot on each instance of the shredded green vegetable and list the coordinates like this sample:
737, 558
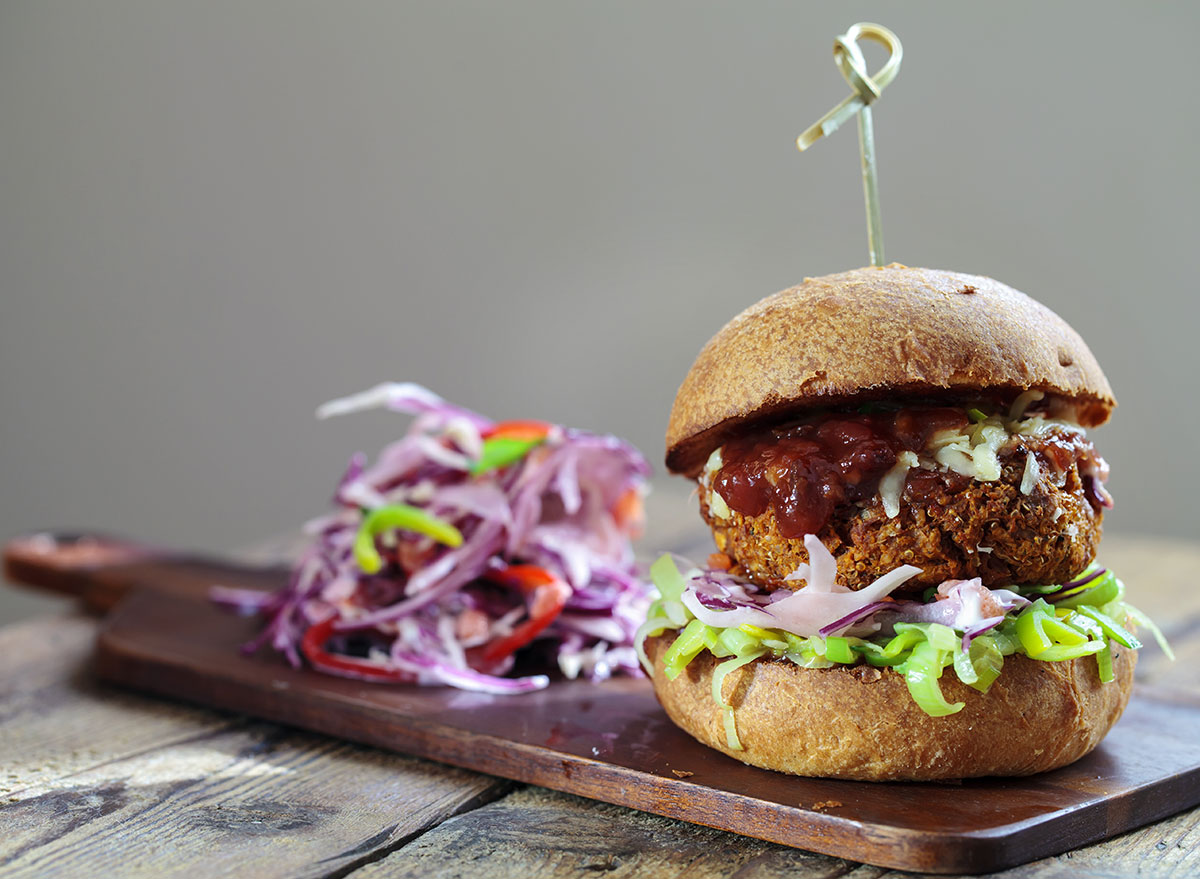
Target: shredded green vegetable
501, 451
718, 679
1086, 620
398, 517
921, 672
667, 578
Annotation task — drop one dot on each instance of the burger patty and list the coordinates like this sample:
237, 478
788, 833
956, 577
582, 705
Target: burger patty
949, 525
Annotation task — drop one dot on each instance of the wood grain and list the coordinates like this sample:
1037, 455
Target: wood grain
102, 782
543, 834
56, 720
611, 742
540, 834
531, 832
318, 805
99, 570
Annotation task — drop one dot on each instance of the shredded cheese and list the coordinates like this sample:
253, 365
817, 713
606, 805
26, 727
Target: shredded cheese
1022, 402
714, 462
1030, 477
976, 455
892, 483
716, 503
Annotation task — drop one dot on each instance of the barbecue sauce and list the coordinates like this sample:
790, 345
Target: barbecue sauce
804, 471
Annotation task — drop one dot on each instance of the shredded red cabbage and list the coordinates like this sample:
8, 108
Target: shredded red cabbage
851, 618
1061, 592
441, 615
822, 607
966, 606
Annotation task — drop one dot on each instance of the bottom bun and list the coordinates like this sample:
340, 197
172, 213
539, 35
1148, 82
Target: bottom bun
860, 722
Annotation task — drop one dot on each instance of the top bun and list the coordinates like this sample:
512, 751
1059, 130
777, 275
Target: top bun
875, 333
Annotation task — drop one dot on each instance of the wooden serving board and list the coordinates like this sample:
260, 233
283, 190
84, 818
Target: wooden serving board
611, 741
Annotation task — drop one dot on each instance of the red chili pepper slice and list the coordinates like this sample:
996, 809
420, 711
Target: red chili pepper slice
527, 429
547, 596
629, 512
313, 648
508, 442
720, 561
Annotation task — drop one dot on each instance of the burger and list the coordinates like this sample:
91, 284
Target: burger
906, 507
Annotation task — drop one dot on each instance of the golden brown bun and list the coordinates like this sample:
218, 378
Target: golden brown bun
861, 723
883, 332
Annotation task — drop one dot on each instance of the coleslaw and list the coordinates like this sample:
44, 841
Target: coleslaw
469, 549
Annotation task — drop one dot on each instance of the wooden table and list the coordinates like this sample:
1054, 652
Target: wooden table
96, 781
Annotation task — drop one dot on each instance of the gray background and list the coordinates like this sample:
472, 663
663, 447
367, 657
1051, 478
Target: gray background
214, 216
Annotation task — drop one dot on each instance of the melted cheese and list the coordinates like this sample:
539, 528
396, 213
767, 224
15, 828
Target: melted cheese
892, 483
1030, 477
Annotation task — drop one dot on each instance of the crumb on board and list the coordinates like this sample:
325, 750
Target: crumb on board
825, 804
682, 773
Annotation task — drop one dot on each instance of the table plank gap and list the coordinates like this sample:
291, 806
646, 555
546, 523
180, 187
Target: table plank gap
258, 800
386, 846
539, 834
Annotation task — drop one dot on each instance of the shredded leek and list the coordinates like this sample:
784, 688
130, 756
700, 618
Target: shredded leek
1111, 627
1146, 623
718, 678
921, 672
1082, 621
501, 451
667, 578
987, 660
685, 648
839, 650
1097, 593
398, 517
963, 667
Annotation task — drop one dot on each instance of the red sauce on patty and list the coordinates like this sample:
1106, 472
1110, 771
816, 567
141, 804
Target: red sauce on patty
804, 471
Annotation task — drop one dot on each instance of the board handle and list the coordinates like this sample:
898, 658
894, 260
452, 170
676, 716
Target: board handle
100, 570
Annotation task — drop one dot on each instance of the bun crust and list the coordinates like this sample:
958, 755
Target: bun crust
878, 332
861, 723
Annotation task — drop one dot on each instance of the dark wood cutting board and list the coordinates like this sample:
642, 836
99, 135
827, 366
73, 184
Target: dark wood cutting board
611, 741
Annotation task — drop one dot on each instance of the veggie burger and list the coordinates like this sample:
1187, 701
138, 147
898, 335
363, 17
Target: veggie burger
907, 509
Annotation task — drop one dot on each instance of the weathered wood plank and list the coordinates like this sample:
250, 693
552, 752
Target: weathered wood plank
540, 834
96, 780
56, 721
252, 801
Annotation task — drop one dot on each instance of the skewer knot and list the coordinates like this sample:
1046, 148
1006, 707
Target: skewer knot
853, 66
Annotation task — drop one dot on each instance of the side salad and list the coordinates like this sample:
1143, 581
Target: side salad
469, 548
